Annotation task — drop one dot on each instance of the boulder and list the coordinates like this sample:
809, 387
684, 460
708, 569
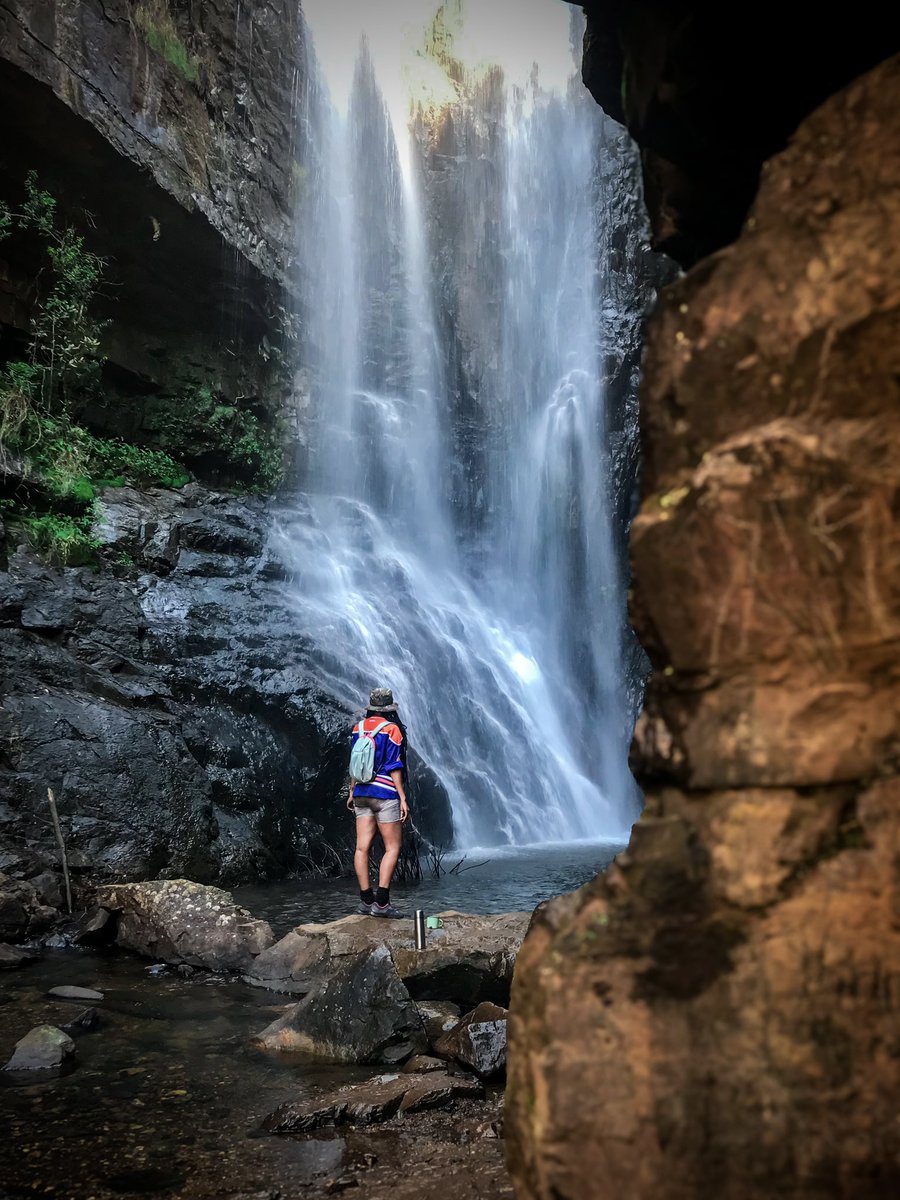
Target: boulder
67, 992
469, 960
438, 1017
295, 963
360, 1013
368, 1103
478, 1041
14, 956
182, 922
44, 1048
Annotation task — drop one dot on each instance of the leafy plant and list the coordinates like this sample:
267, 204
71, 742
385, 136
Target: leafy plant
64, 351
62, 538
115, 462
198, 425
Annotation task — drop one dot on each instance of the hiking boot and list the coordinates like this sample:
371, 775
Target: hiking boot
365, 910
384, 910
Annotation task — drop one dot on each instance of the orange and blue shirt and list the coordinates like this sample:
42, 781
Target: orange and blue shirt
388, 757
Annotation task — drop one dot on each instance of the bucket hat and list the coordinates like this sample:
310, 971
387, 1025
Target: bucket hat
382, 700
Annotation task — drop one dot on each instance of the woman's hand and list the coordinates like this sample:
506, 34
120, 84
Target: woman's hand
350, 800
404, 810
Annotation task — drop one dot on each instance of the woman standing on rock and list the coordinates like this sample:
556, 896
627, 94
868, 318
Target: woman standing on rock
378, 797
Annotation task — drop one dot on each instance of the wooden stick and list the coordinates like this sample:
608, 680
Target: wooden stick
62, 846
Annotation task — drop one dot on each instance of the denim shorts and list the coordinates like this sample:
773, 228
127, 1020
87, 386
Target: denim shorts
386, 812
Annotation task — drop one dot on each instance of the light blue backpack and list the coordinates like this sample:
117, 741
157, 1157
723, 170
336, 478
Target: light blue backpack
362, 756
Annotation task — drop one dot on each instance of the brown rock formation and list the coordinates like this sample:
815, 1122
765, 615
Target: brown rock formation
717, 1015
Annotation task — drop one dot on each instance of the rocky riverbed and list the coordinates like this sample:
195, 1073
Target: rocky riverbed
174, 1079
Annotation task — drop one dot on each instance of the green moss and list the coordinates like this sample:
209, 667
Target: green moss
156, 23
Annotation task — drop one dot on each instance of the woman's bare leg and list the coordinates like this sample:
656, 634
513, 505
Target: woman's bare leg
392, 836
365, 834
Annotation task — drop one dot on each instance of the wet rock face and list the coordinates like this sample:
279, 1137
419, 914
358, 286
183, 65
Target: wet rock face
172, 704
203, 101
724, 995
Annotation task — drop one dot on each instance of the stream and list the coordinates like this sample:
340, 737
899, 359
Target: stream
167, 1091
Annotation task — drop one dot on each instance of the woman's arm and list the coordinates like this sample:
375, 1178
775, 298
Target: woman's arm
397, 777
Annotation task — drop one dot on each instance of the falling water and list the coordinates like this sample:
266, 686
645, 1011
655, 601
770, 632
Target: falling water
454, 540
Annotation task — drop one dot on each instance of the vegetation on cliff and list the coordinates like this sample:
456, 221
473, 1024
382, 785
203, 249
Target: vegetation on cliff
60, 463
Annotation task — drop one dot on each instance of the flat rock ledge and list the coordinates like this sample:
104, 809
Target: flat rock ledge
177, 921
469, 960
372, 1102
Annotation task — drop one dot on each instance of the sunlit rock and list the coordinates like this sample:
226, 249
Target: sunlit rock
182, 922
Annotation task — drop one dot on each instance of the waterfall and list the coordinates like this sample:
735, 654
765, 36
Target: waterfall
454, 540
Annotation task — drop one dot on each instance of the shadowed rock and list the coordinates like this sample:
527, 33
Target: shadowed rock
86, 1021
361, 1013
14, 956
44, 1048
96, 927
372, 1102
438, 1016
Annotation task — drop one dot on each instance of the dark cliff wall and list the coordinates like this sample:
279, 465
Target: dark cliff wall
166, 131
725, 995
710, 92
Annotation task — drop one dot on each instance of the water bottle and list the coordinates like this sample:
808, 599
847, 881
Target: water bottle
420, 929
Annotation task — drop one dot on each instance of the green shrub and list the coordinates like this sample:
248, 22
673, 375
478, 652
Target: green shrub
199, 427
62, 538
64, 350
115, 463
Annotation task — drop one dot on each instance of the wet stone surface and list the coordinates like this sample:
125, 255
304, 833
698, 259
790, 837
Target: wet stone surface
167, 1092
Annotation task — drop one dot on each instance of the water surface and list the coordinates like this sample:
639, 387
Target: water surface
488, 881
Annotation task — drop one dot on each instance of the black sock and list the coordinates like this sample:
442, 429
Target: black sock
382, 896
367, 896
